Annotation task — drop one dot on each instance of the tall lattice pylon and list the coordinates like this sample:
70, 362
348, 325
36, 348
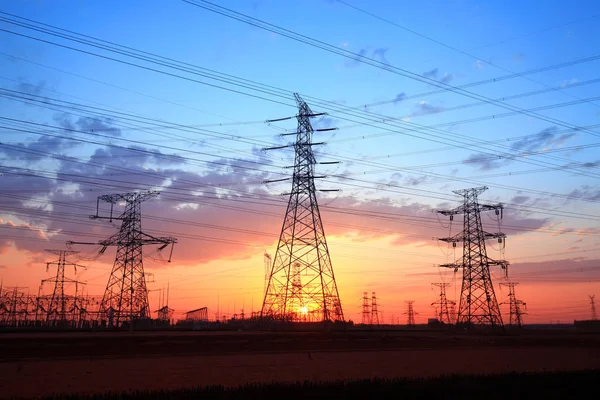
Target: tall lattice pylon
516, 313
593, 304
366, 313
443, 309
410, 312
126, 296
374, 311
478, 304
302, 241
60, 304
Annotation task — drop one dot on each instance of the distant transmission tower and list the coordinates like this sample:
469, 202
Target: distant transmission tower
267, 264
126, 296
478, 304
374, 312
58, 308
366, 313
593, 304
302, 241
410, 313
443, 304
452, 311
516, 314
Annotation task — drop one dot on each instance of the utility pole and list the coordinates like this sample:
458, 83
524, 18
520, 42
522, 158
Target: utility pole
302, 241
516, 314
374, 312
443, 303
593, 304
478, 304
57, 310
410, 313
126, 296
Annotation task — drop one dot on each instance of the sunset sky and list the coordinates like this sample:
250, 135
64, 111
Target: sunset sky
428, 97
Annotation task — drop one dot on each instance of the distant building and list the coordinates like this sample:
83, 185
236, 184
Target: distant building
587, 325
197, 315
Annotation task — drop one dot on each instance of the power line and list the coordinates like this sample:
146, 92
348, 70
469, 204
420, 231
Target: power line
558, 89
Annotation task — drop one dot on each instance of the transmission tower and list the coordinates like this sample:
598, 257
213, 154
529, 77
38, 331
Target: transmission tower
593, 304
58, 309
374, 312
443, 304
267, 264
452, 311
410, 313
302, 241
478, 304
516, 314
126, 296
366, 312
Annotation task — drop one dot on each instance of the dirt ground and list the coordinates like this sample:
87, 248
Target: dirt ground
112, 363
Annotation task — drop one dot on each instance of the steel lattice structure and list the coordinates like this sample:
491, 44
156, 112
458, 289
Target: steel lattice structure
410, 312
516, 314
443, 303
302, 249
61, 306
478, 304
374, 311
593, 304
366, 313
126, 296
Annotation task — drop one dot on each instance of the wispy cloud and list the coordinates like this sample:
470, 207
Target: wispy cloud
518, 56
546, 139
399, 97
431, 74
378, 54
446, 77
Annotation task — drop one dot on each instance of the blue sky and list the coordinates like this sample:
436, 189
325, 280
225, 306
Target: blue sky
378, 143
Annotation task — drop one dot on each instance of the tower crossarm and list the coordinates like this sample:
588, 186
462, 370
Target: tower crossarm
127, 197
461, 237
480, 207
454, 266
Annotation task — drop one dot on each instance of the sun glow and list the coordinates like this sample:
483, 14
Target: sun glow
304, 310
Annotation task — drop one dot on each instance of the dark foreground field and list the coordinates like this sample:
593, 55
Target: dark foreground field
557, 385
45, 363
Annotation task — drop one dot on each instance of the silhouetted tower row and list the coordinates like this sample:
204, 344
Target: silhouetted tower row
366, 313
478, 304
593, 304
60, 306
516, 313
302, 242
374, 312
443, 312
410, 312
126, 296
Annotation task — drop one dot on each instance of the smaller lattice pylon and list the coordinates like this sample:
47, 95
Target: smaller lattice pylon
442, 311
516, 312
58, 307
366, 313
374, 311
410, 313
452, 312
593, 305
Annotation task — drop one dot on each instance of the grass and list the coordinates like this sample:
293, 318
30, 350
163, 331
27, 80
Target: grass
547, 385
